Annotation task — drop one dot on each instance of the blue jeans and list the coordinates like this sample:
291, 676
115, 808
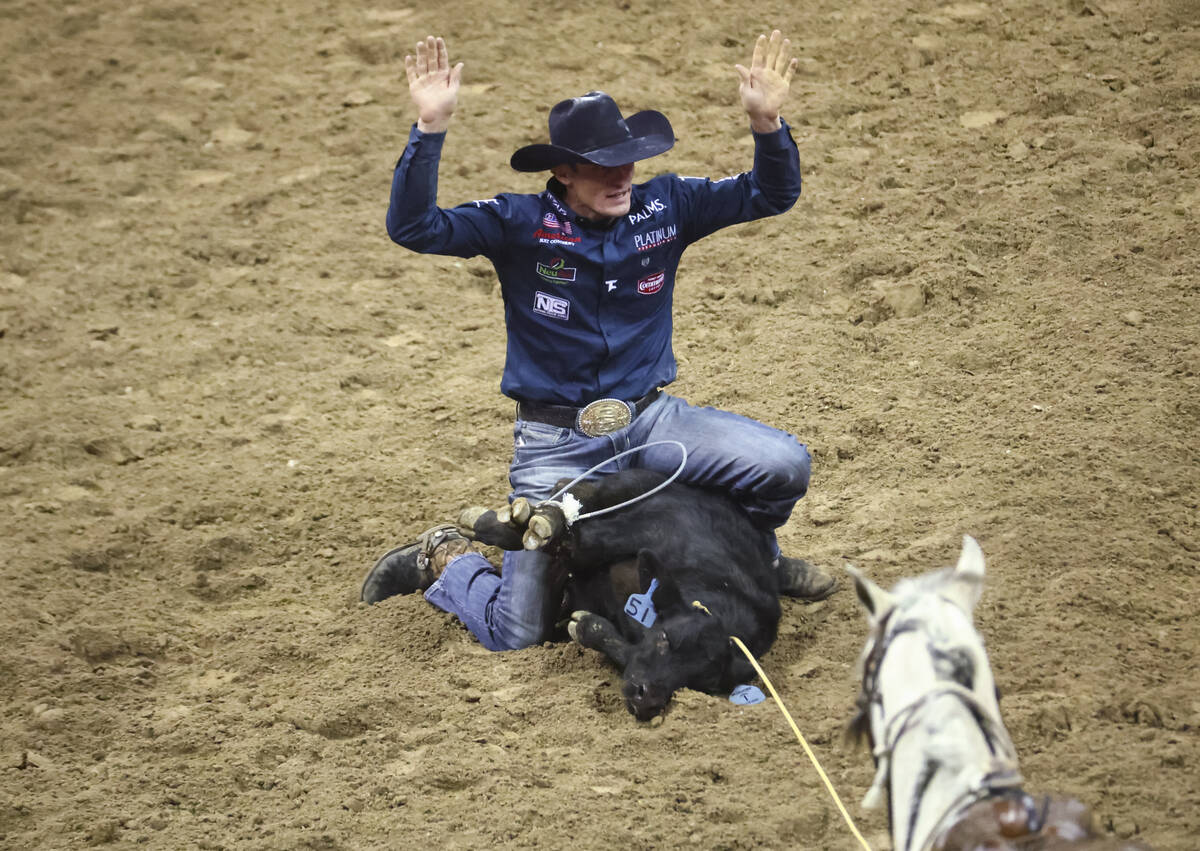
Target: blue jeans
764, 469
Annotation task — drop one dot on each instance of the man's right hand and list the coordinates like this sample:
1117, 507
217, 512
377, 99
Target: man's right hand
433, 84
764, 85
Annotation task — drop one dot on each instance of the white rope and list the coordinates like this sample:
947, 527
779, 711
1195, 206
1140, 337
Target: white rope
606, 462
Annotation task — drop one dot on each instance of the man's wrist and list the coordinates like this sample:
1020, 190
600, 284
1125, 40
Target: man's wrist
763, 124
439, 125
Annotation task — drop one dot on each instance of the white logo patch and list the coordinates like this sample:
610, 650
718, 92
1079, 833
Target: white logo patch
655, 238
648, 210
552, 306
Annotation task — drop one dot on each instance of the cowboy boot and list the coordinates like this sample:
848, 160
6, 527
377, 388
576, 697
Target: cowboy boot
803, 580
414, 566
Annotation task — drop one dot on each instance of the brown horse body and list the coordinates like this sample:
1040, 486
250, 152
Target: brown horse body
1007, 824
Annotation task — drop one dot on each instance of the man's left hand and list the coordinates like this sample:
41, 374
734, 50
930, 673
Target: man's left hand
764, 85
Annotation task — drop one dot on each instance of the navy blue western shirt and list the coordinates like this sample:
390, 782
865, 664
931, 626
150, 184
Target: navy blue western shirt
587, 306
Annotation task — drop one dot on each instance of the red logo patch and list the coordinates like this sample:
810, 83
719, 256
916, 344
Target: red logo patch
651, 283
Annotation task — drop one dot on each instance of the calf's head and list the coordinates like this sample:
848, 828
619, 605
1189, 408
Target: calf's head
686, 648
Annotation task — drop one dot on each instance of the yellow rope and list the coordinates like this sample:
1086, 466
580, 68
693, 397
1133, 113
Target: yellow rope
812, 757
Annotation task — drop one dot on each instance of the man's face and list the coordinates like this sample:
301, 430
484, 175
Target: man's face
596, 191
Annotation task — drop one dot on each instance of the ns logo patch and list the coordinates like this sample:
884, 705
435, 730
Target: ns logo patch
552, 306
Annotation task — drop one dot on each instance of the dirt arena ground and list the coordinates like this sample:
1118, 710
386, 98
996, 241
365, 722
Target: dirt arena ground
223, 392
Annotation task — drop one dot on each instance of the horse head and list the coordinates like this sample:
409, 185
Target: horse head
928, 702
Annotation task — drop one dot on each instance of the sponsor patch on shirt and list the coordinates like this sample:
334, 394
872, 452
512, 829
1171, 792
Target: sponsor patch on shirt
555, 232
557, 271
552, 306
648, 210
654, 238
549, 237
652, 283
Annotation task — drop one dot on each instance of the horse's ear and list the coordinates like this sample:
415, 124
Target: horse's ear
967, 580
876, 601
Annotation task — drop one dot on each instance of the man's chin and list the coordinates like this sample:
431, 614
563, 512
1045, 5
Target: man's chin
607, 212
616, 209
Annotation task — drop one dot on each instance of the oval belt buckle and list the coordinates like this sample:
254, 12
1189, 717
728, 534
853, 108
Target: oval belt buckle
604, 416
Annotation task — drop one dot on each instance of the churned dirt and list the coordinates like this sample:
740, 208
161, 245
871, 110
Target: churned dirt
223, 392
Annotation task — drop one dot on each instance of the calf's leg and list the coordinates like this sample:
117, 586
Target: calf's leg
597, 633
482, 524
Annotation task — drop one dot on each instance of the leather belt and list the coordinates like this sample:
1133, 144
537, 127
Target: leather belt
601, 417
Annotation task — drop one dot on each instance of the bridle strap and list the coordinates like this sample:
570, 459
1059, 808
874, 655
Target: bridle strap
1004, 776
912, 711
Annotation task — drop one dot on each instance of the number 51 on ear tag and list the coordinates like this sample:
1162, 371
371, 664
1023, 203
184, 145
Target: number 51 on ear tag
641, 608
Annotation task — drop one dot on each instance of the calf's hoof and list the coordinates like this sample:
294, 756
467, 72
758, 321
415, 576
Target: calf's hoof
547, 523
592, 631
481, 524
468, 517
516, 513
573, 626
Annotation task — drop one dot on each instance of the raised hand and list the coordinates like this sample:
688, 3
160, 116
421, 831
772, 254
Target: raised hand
433, 84
764, 85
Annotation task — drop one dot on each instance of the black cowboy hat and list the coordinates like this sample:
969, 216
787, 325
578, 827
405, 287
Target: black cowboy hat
590, 129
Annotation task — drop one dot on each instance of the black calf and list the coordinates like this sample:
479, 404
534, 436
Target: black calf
700, 547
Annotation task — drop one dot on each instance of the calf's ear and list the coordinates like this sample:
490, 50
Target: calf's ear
648, 568
666, 595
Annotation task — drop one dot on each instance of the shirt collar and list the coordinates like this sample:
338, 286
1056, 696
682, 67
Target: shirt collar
556, 193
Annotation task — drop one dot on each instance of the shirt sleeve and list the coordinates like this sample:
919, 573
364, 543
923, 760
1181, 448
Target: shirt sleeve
771, 188
414, 219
